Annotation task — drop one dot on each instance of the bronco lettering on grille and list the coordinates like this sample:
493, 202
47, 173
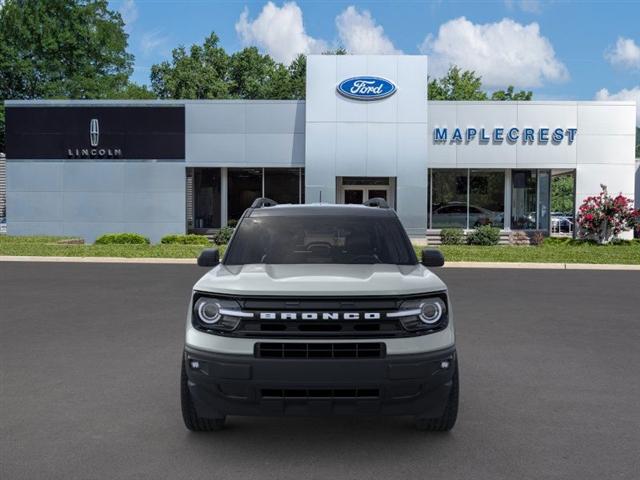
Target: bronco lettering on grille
320, 316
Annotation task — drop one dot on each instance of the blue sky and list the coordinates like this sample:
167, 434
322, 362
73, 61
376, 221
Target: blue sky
559, 49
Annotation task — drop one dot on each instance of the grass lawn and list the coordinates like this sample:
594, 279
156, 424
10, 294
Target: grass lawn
550, 253
586, 253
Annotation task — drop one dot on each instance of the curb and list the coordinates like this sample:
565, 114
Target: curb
543, 266
192, 261
170, 261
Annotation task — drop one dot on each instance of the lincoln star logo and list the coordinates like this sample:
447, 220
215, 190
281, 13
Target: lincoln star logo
366, 88
94, 140
94, 132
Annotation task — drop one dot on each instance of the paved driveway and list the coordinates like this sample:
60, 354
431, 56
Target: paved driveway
89, 357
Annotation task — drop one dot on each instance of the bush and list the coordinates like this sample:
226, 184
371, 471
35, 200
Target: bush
190, 239
223, 236
451, 236
537, 239
557, 241
122, 239
485, 235
518, 238
603, 217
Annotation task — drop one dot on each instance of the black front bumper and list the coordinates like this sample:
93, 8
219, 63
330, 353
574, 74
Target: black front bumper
416, 384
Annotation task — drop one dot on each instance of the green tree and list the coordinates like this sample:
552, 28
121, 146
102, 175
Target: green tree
298, 74
61, 49
510, 95
457, 85
199, 74
562, 193
208, 72
256, 76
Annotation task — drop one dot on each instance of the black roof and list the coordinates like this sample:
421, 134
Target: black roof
290, 210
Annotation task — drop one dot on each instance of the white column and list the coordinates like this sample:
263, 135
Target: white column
507, 199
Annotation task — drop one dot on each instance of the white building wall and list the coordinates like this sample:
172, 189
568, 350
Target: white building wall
602, 152
89, 198
381, 138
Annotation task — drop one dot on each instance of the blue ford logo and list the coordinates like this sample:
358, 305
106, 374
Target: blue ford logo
366, 88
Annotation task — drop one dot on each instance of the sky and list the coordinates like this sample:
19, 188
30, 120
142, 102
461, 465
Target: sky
561, 50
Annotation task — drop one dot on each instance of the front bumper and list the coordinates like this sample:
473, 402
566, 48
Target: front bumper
415, 384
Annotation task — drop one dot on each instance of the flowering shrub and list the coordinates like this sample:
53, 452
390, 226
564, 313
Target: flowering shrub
604, 217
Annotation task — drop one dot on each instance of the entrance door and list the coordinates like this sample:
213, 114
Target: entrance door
357, 190
361, 195
378, 193
354, 195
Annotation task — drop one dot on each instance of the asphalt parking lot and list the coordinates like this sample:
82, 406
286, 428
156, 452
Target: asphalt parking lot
89, 357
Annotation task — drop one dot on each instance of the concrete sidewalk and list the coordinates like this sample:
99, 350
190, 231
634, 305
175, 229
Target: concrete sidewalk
192, 261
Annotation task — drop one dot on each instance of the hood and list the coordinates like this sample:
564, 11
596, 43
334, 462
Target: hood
319, 280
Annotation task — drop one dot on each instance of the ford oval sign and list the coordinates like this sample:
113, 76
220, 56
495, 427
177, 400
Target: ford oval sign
366, 88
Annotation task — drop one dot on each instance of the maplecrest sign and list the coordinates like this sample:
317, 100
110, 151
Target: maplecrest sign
510, 135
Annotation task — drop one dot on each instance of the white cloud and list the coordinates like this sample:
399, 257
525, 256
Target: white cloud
151, 41
278, 31
528, 6
626, 53
504, 53
360, 34
129, 12
632, 94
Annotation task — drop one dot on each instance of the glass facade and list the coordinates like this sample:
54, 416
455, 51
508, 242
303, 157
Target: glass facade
486, 198
464, 198
284, 185
524, 194
448, 198
469, 198
206, 198
244, 186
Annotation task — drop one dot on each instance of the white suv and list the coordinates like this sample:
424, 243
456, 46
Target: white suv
319, 310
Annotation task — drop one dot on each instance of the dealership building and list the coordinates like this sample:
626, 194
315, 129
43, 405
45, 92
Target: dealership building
366, 129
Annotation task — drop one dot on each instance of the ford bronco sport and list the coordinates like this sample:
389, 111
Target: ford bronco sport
319, 309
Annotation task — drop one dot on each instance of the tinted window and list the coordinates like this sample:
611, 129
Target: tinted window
320, 239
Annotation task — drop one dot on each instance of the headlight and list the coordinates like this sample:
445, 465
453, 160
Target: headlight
431, 311
423, 313
217, 314
208, 310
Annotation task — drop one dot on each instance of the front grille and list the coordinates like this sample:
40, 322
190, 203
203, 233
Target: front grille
320, 350
321, 327
257, 328
381, 328
320, 393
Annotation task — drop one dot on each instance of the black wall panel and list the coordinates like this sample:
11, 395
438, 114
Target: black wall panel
128, 132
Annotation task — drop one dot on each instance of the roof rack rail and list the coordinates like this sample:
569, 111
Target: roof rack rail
376, 202
263, 202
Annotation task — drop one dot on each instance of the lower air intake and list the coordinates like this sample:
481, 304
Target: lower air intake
320, 350
320, 393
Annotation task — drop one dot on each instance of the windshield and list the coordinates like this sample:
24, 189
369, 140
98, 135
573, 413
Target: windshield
343, 239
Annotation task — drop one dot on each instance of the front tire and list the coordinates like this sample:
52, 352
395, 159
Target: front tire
192, 420
447, 420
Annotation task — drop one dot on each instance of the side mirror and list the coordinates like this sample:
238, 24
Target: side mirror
209, 257
432, 257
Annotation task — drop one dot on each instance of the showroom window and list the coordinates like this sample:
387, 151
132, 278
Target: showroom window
284, 185
244, 186
203, 212
530, 199
464, 198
